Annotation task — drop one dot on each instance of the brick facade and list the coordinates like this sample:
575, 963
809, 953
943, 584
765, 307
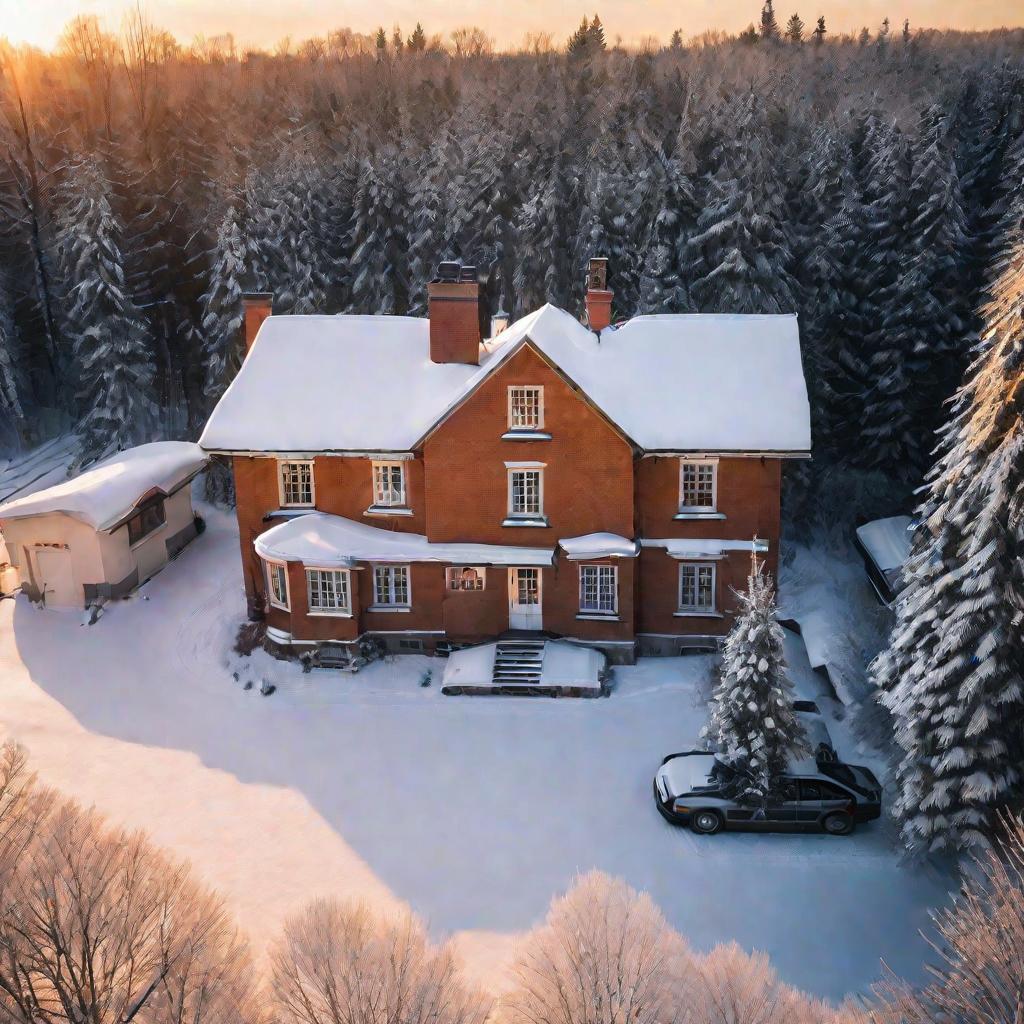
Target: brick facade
457, 489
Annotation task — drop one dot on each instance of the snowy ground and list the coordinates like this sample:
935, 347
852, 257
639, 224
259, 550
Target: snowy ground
473, 810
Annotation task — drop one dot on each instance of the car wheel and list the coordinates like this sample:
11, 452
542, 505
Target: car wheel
839, 824
706, 823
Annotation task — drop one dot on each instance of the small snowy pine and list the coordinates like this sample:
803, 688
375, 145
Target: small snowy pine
753, 726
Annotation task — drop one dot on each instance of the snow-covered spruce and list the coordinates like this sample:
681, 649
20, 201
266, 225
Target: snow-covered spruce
952, 676
112, 341
753, 725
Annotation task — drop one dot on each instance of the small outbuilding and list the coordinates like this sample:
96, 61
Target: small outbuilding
107, 530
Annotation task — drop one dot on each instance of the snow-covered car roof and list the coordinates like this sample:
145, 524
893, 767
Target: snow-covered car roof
887, 541
104, 494
695, 382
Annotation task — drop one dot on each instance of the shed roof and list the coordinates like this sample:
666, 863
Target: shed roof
107, 492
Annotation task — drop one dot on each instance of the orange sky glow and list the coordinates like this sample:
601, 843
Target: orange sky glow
259, 23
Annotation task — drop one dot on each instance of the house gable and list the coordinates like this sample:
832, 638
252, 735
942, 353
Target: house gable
587, 465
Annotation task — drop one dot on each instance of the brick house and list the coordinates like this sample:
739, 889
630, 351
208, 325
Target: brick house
412, 480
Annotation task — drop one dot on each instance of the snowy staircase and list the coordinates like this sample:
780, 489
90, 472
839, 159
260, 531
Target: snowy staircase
518, 663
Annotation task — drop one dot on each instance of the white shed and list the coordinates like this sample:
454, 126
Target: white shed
107, 530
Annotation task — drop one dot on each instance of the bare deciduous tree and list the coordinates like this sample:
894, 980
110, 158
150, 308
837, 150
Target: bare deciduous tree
338, 963
97, 926
605, 955
979, 978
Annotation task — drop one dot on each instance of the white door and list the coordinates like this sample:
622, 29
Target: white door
524, 599
55, 578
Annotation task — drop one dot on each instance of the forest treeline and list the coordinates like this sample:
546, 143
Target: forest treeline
862, 182
97, 924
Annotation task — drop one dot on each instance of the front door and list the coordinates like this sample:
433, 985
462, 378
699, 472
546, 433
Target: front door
56, 578
524, 599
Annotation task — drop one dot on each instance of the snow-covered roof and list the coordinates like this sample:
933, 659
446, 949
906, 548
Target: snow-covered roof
103, 495
701, 382
703, 547
887, 541
321, 539
598, 545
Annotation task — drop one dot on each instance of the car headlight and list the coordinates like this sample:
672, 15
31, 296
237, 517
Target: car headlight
680, 808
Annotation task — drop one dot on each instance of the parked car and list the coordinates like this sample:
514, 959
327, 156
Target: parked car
694, 788
884, 545
817, 732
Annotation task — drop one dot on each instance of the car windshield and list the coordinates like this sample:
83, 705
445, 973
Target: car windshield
844, 774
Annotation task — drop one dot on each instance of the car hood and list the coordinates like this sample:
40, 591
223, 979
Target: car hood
686, 773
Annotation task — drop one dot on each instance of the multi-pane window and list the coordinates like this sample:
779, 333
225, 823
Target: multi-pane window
277, 577
599, 587
296, 483
389, 484
525, 495
391, 585
148, 517
466, 577
697, 486
328, 590
525, 408
696, 587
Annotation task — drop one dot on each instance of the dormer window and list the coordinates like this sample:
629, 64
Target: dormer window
389, 485
296, 483
525, 407
698, 485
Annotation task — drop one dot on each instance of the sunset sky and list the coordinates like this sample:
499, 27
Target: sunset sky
261, 23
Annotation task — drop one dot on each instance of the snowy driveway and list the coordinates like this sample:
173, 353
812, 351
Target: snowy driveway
474, 810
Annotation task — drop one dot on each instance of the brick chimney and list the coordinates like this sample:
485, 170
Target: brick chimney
453, 304
599, 297
257, 306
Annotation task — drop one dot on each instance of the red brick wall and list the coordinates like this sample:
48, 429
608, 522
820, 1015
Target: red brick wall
562, 601
588, 479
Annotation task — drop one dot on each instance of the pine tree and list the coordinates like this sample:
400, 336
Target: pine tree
676, 42
223, 314
397, 42
111, 339
579, 41
753, 726
597, 41
769, 26
381, 43
418, 39
795, 29
12, 411
820, 30
953, 675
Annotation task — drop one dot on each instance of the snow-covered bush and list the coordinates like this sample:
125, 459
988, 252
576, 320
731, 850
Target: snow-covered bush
753, 726
339, 963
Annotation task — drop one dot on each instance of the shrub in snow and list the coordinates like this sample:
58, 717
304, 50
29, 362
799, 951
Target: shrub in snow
97, 925
753, 725
338, 963
952, 676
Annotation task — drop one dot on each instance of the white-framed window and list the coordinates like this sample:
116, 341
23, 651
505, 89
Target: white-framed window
525, 407
391, 586
466, 577
329, 591
389, 484
698, 485
526, 493
277, 585
296, 480
696, 586
599, 589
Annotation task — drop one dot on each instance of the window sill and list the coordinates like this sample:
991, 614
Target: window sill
388, 510
699, 515
701, 614
389, 609
278, 607
328, 615
596, 617
526, 435
289, 512
536, 521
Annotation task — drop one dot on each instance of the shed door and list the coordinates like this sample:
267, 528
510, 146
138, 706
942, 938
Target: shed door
56, 580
